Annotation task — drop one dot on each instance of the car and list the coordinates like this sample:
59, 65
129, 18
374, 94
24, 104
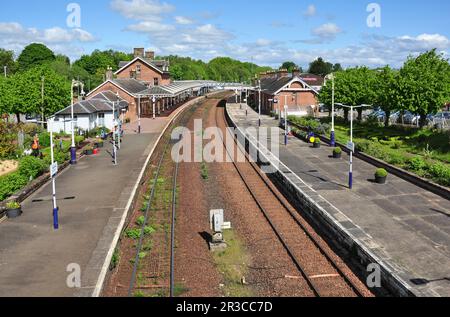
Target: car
323, 108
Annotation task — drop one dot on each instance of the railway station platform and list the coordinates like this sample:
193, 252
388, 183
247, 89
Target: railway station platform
38, 261
401, 226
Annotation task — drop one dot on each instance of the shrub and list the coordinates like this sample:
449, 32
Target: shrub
11, 183
337, 150
317, 141
140, 221
417, 164
13, 205
79, 139
381, 172
44, 139
31, 167
60, 157
440, 172
31, 129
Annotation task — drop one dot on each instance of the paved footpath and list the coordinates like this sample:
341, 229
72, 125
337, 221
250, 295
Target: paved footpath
405, 226
34, 258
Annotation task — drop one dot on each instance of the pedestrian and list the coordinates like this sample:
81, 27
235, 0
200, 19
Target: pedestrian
35, 146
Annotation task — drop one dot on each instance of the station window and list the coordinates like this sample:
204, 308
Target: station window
156, 81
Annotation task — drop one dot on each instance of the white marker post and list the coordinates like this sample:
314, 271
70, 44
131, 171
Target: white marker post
53, 172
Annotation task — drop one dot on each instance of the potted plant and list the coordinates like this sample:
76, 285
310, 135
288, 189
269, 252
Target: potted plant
316, 143
100, 144
381, 176
337, 153
13, 209
88, 150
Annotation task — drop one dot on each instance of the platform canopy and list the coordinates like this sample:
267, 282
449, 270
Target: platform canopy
176, 88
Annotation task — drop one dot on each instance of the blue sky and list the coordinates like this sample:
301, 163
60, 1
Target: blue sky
267, 32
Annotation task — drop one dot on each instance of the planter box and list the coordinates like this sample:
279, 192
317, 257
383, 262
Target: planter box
316, 145
13, 213
337, 155
100, 145
89, 152
380, 180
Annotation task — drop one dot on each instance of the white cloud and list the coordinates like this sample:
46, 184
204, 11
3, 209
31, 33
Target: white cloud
310, 11
328, 30
150, 27
183, 20
324, 34
142, 9
14, 36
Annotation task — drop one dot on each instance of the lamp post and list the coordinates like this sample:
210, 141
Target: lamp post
285, 125
259, 103
73, 149
139, 114
333, 135
53, 172
154, 107
351, 145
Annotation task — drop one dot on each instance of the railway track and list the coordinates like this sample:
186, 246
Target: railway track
315, 262
167, 169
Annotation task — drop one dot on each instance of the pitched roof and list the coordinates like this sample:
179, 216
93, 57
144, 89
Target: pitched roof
160, 66
102, 102
175, 88
130, 85
273, 85
312, 79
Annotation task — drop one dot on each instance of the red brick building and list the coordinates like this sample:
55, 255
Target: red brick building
288, 89
145, 68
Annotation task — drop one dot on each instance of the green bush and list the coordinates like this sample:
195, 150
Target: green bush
11, 183
59, 156
31, 167
79, 139
337, 150
417, 164
440, 172
381, 172
44, 139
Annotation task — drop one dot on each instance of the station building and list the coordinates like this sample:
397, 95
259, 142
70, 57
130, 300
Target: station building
296, 90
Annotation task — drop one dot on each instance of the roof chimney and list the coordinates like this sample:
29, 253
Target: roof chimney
139, 52
150, 55
283, 73
109, 73
296, 72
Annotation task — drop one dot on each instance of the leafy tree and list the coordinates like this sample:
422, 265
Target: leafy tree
425, 84
35, 55
353, 87
23, 92
337, 68
323, 68
7, 59
386, 89
290, 66
320, 67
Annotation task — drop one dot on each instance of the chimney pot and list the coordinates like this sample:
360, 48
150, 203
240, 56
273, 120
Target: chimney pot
150, 55
139, 52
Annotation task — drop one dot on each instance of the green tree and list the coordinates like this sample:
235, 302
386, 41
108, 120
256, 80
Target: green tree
7, 59
425, 84
320, 67
386, 89
35, 55
290, 66
353, 87
24, 92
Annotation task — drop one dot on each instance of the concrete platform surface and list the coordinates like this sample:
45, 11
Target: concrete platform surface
405, 226
34, 258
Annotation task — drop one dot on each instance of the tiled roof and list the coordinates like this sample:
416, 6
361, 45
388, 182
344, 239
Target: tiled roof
130, 85
312, 80
102, 102
175, 88
159, 64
